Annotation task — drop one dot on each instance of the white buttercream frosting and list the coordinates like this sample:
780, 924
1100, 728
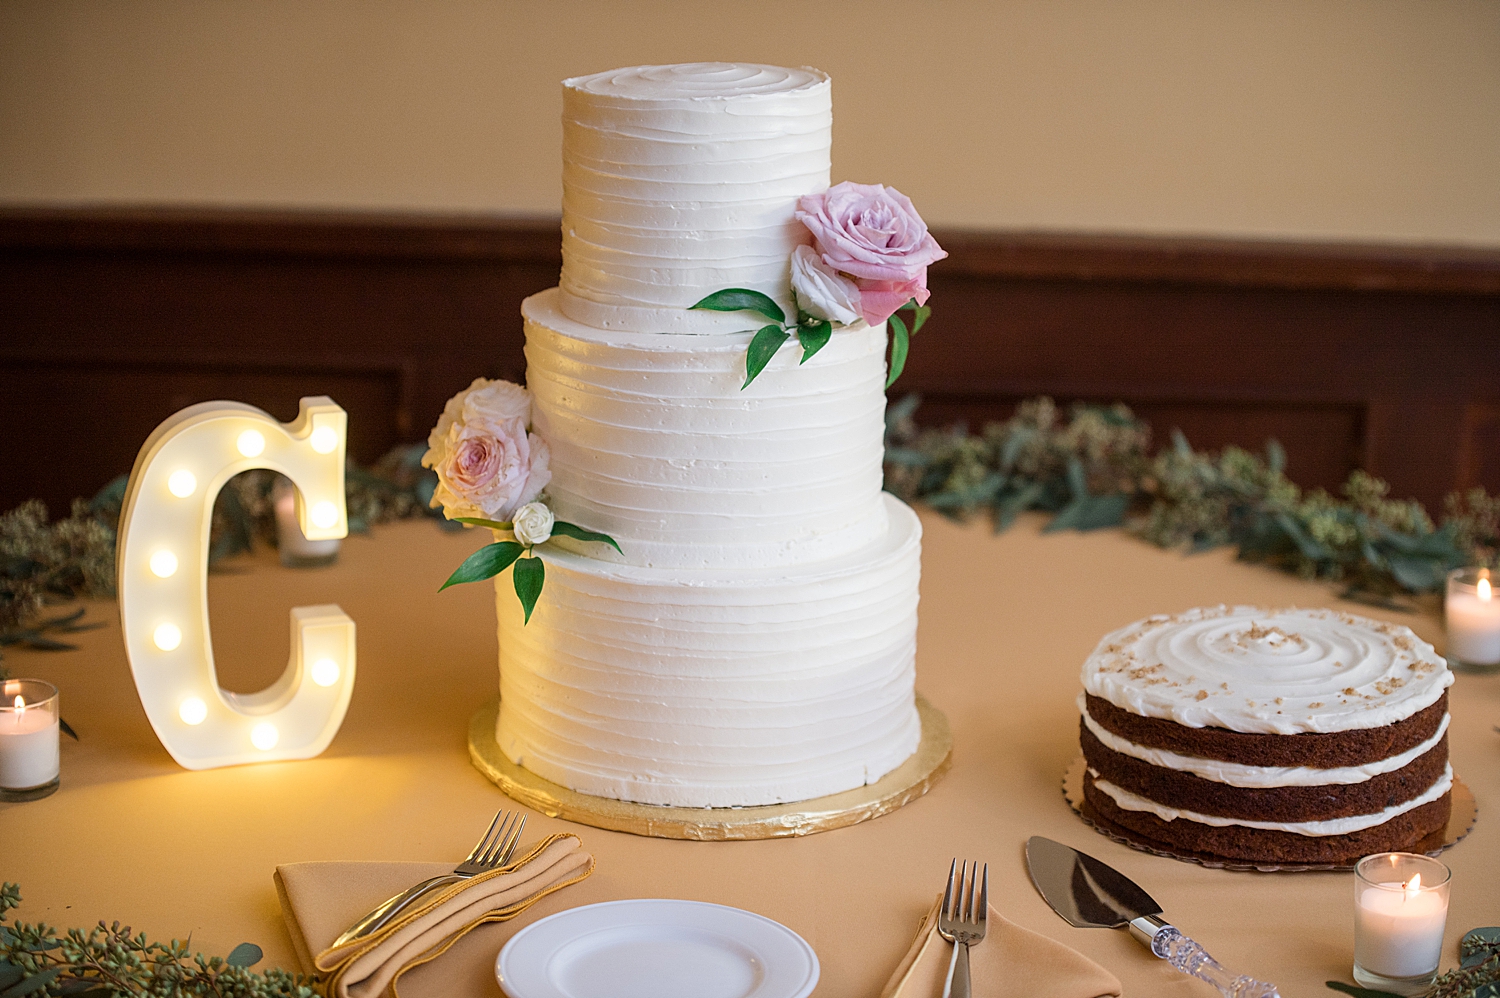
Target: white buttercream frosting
1334, 826
1267, 671
715, 688
679, 181
1239, 775
654, 443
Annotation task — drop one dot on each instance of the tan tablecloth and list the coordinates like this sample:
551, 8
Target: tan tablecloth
1005, 623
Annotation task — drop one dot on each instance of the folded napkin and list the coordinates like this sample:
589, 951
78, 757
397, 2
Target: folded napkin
321, 900
1012, 962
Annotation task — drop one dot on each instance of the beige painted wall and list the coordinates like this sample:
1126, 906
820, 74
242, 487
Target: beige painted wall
1343, 119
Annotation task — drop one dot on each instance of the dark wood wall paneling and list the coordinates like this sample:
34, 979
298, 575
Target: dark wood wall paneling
1386, 358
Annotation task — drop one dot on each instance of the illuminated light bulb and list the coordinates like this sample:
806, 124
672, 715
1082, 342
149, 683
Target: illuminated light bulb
1484, 590
163, 564
263, 736
325, 515
251, 443
325, 672
167, 636
182, 483
324, 439
193, 711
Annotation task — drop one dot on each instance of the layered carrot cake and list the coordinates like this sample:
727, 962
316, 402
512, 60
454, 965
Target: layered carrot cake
1269, 736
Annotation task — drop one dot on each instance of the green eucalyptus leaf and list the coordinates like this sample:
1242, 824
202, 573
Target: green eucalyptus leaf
32, 984
10, 974
479, 522
762, 348
486, 563
565, 529
900, 344
244, 955
813, 339
528, 576
743, 300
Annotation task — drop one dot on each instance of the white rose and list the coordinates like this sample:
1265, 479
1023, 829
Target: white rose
487, 464
532, 523
823, 292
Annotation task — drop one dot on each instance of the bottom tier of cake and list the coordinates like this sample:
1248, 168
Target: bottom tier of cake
715, 688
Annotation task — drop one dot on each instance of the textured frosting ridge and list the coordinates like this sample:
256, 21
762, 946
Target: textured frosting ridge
679, 181
1267, 671
716, 689
654, 444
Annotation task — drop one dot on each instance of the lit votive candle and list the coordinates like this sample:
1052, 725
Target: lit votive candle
292, 545
1473, 615
1400, 909
29, 748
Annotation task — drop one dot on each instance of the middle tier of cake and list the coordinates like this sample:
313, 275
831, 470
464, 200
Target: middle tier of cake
716, 688
655, 444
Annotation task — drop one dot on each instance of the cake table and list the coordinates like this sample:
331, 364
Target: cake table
1005, 622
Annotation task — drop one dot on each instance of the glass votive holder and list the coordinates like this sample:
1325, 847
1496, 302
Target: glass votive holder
295, 550
1472, 612
30, 754
1400, 910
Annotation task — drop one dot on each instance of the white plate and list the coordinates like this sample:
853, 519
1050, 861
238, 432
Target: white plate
652, 948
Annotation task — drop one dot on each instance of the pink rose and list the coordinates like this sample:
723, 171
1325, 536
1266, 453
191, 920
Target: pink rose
488, 465
873, 234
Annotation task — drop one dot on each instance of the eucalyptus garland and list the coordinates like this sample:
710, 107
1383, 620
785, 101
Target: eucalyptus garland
1094, 467
109, 962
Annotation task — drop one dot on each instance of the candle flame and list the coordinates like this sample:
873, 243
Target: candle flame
20, 703
1412, 886
1484, 590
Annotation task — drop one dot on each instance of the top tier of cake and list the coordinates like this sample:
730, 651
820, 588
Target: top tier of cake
1268, 671
679, 181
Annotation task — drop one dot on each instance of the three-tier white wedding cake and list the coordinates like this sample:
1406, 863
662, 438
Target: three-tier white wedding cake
755, 641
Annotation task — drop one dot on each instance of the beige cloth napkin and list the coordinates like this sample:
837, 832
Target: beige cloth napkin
1012, 962
320, 900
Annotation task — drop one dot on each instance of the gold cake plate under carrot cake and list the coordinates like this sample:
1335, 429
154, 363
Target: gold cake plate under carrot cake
1460, 823
900, 787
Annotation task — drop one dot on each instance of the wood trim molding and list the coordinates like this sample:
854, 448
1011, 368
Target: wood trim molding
972, 254
1382, 357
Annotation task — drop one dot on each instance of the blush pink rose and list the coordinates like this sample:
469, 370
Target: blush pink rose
873, 234
487, 464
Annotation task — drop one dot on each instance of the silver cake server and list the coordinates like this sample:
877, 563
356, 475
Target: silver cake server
1093, 895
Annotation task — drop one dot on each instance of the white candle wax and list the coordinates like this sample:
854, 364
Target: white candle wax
29, 754
290, 540
1474, 628
1399, 933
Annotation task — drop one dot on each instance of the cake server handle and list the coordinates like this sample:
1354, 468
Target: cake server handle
1169, 943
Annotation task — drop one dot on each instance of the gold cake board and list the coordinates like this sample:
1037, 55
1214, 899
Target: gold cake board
1460, 823
900, 787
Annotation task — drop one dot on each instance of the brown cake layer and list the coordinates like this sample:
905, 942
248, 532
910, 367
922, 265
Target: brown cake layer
1330, 750
1417, 830
1179, 789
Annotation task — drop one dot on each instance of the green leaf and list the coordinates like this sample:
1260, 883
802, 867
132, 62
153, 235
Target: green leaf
919, 315
486, 563
573, 530
900, 343
813, 338
478, 522
742, 300
244, 955
32, 984
528, 576
762, 349
1350, 989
